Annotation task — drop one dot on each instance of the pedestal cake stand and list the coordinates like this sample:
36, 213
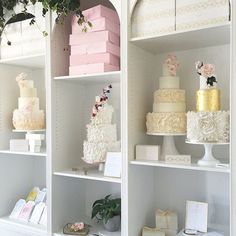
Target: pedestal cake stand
208, 158
168, 145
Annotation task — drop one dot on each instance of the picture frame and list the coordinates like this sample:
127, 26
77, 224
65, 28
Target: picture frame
113, 165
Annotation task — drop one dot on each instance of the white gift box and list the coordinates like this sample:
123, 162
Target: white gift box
178, 159
153, 17
33, 142
25, 39
147, 152
35, 148
35, 136
166, 220
170, 232
152, 232
19, 145
193, 14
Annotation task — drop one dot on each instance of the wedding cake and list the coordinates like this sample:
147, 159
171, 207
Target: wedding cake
101, 133
209, 123
28, 116
169, 108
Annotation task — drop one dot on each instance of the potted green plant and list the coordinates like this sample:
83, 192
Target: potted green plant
108, 211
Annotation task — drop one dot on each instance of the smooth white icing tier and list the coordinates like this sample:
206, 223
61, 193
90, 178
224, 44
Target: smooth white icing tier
28, 92
169, 107
203, 83
23, 120
96, 152
169, 95
208, 126
166, 122
104, 116
28, 103
169, 82
26, 84
102, 133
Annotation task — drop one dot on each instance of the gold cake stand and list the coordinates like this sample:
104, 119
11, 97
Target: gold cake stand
168, 146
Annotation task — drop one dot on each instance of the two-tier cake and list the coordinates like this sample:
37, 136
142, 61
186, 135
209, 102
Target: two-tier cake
28, 116
209, 123
169, 108
101, 133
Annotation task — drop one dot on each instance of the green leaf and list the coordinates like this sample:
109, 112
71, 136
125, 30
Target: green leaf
20, 17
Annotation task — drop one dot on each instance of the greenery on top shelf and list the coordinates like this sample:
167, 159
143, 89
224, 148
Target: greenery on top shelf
61, 7
106, 208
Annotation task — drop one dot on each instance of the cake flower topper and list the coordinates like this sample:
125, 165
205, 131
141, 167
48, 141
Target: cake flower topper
207, 71
101, 100
21, 78
172, 64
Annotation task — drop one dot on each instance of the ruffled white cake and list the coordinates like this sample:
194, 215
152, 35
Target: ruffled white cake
101, 136
169, 106
28, 116
208, 123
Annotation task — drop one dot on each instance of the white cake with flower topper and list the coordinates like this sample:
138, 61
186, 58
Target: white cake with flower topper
169, 108
209, 125
28, 116
101, 133
168, 118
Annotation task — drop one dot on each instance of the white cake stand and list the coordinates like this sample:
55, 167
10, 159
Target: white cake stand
168, 145
208, 158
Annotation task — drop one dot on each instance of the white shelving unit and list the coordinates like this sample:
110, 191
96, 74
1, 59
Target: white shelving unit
144, 185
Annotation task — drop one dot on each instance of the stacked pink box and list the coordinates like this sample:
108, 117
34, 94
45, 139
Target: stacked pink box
98, 50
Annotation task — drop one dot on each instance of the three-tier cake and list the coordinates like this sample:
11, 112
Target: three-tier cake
101, 133
169, 108
208, 123
28, 116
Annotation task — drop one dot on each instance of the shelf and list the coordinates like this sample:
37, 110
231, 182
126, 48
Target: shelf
41, 154
22, 227
192, 166
107, 77
183, 40
34, 61
91, 175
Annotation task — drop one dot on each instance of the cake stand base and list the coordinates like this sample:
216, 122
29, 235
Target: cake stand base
101, 167
168, 145
208, 158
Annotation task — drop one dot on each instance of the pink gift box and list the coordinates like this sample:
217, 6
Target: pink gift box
93, 48
94, 37
101, 11
94, 58
92, 68
97, 25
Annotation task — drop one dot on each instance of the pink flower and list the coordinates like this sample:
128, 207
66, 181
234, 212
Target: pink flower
207, 70
77, 226
21, 76
172, 64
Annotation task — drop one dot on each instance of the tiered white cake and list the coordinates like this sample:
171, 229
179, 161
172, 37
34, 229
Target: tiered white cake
209, 123
169, 106
28, 116
101, 133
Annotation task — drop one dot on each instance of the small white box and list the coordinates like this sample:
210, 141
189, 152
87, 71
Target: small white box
19, 145
35, 149
167, 220
178, 159
33, 142
35, 136
147, 152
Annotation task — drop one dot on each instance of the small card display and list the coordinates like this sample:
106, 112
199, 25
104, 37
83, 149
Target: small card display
17, 209
196, 216
113, 164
